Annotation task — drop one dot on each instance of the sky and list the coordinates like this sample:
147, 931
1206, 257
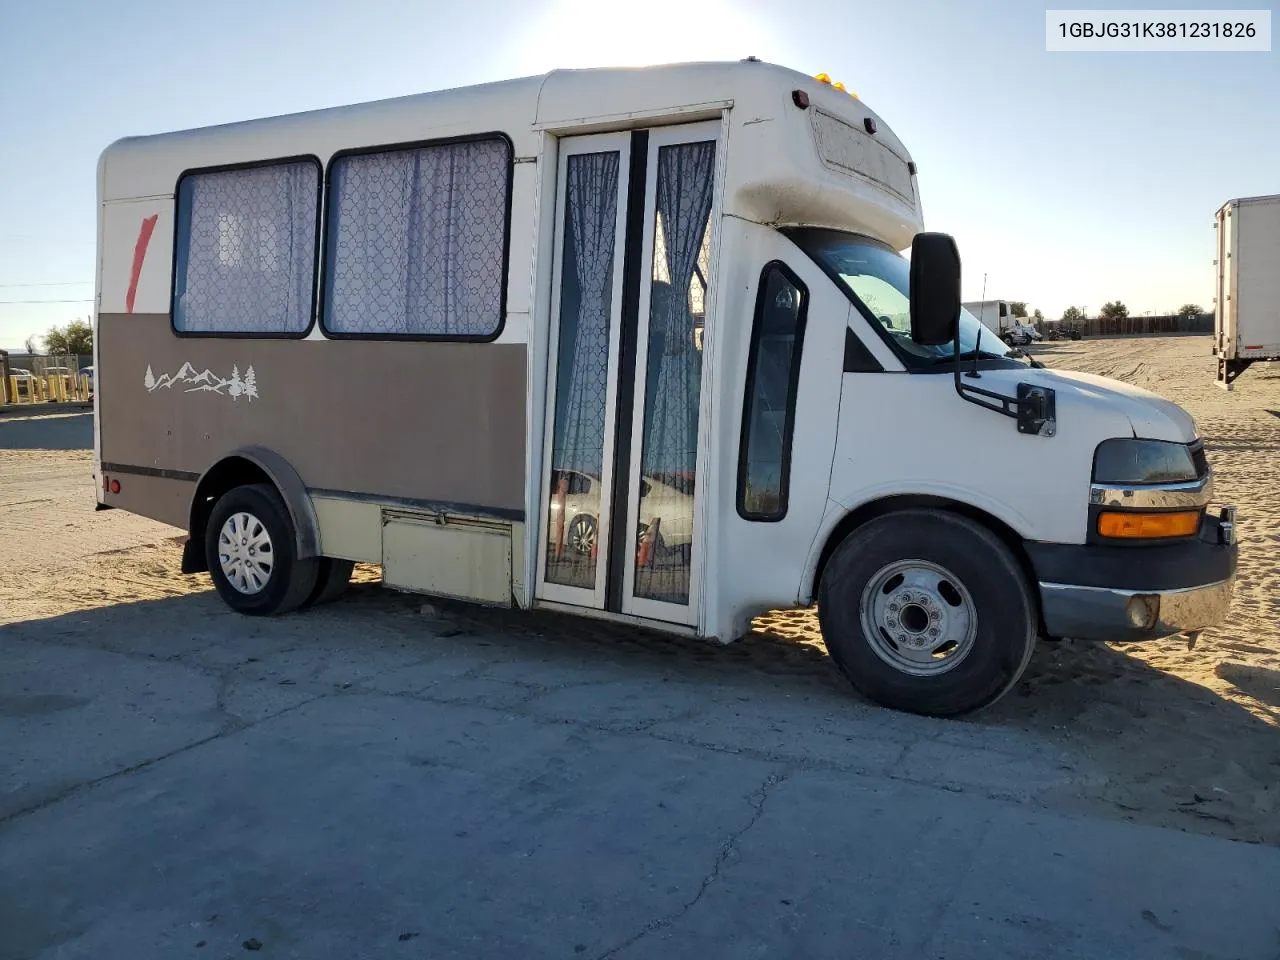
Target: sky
1066, 178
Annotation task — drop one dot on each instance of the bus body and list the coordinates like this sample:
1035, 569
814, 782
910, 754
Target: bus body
636, 344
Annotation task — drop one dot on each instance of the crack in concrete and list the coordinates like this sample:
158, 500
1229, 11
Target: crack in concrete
235, 726
757, 799
227, 678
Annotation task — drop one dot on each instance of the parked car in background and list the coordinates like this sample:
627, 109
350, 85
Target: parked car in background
88, 372
19, 372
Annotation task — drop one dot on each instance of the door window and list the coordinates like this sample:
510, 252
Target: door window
773, 376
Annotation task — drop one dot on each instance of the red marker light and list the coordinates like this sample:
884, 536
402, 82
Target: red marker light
115, 486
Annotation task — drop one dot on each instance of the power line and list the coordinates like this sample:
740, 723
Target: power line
6, 302
49, 283
30, 239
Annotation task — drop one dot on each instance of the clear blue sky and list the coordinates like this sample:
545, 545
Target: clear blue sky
1066, 178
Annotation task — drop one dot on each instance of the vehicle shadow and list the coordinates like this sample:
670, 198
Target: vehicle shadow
1261, 683
1136, 741
72, 431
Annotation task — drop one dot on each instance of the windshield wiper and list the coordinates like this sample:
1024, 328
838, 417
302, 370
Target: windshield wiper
971, 355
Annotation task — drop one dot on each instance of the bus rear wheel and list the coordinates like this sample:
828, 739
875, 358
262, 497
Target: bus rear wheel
928, 612
250, 547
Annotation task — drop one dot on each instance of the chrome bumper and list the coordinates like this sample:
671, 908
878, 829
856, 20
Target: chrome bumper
1099, 613
1106, 613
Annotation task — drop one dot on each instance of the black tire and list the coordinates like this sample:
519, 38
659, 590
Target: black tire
291, 580
1005, 614
331, 581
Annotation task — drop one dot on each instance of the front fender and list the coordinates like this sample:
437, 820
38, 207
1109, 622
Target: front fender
844, 515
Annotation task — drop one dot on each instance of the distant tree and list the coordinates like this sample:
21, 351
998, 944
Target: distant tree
1113, 310
1018, 308
1072, 315
1189, 310
74, 339
31, 345
1037, 316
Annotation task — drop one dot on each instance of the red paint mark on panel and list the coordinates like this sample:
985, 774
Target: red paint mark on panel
139, 254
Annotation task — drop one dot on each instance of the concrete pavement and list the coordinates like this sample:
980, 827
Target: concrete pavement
367, 781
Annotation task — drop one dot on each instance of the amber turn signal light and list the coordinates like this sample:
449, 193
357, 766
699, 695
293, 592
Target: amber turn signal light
1148, 526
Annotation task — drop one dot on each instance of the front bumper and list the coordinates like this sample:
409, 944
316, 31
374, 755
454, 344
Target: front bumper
1092, 592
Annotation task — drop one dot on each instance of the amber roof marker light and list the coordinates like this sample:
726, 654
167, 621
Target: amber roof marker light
838, 85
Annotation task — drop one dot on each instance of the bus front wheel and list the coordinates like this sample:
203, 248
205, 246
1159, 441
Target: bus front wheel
928, 612
250, 547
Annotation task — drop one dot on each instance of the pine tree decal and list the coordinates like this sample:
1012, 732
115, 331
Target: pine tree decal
250, 384
237, 387
149, 381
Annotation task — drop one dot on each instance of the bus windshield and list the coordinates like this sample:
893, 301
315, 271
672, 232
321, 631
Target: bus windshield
877, 279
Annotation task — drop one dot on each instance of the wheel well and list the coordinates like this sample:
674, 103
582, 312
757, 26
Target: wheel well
222, 477
879, 508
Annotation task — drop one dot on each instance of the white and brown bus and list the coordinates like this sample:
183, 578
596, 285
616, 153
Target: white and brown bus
637, 344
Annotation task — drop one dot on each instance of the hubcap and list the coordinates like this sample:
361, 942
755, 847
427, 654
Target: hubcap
245, 553
582, 534
918, 617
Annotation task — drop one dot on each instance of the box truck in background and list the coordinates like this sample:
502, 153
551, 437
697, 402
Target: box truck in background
1247, 287
998, 316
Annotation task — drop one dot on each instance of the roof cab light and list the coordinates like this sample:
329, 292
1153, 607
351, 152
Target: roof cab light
838, 85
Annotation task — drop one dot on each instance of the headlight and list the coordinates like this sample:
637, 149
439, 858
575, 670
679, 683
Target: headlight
1143, 461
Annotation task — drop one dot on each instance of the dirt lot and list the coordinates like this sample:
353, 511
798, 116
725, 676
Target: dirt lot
1155, 734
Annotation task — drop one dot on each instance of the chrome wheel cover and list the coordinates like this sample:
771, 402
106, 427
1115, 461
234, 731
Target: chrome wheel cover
918, 617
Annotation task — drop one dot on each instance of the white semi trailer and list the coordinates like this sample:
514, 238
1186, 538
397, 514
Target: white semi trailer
998, 315
1247, 291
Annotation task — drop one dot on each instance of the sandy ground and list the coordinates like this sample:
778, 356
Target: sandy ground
1156, 733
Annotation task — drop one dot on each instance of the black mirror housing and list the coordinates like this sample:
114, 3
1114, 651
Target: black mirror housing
935, 289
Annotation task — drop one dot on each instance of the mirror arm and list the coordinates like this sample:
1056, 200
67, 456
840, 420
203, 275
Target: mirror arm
1035, 407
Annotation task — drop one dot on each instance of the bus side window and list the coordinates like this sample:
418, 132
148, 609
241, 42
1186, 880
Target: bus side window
769, 408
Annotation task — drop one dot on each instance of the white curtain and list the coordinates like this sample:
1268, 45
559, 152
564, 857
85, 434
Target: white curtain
416, 241
685, 179
247, 250
591, 211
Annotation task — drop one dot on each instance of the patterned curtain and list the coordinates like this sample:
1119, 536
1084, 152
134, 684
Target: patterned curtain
415, 240
591, 198
685, 179
247, 250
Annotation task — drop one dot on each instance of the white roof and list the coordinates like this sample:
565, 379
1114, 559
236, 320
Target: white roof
780, 175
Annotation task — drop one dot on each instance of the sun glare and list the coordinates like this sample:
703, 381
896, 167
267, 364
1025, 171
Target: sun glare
582, 33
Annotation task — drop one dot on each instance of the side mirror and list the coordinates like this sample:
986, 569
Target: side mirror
935, 289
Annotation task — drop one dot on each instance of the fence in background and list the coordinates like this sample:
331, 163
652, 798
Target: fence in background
45, 379
1140, 326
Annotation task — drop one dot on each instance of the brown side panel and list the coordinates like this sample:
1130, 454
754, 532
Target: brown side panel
424, 421
160, 498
